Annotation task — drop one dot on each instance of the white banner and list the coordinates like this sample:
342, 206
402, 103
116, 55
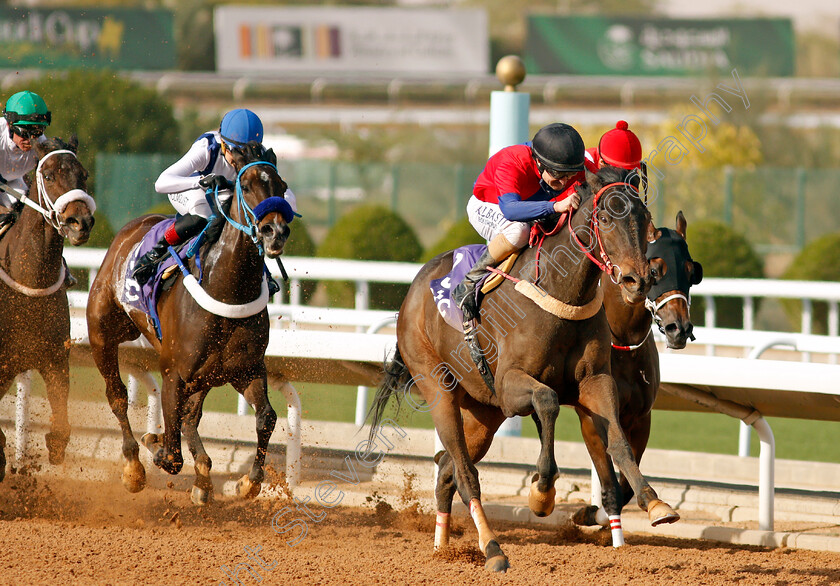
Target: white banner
351, 39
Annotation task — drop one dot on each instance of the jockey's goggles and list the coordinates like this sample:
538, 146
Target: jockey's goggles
28, 131
556, 174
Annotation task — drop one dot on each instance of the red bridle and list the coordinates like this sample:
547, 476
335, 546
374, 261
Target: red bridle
538, 235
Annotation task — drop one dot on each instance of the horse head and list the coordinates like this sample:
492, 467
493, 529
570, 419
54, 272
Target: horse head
62, 189
674, 272
619, 229
261, 189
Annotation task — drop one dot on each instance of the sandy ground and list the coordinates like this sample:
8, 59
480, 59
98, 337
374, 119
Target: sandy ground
55, 531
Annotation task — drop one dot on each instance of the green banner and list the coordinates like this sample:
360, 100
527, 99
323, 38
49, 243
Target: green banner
87, 38
595, 45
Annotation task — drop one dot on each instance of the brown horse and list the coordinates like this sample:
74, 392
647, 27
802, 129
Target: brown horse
550, 346
635, 359
35, 321
198, 349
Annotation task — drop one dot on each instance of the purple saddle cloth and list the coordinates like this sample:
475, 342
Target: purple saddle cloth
145, 298
462, 261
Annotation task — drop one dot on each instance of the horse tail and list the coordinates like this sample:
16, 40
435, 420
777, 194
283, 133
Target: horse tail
396, 378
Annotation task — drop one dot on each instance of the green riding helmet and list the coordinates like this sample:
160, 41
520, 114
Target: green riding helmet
27, 108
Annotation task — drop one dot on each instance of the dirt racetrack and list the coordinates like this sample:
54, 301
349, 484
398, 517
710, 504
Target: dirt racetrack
56, 531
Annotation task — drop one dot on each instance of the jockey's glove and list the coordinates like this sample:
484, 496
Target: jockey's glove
213, 181
11, 217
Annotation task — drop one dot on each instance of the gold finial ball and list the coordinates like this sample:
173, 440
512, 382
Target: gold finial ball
511, 72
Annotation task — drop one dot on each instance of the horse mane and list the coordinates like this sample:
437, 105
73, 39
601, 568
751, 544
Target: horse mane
254, 151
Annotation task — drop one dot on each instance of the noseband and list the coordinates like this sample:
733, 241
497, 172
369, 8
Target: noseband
52, 210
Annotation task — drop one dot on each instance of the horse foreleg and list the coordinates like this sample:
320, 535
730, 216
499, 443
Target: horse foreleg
202, 490
134, 475
57, 381
638, 436
524, 393
167, 449
594, 436
256, 394
598, 395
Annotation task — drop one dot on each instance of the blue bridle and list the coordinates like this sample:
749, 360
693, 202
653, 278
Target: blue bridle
254, 215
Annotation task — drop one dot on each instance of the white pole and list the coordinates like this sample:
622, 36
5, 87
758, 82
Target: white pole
242, 406
133, 390
24, 387
293, 435
766, 474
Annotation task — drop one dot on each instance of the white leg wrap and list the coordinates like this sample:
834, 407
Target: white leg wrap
617, 533
442, 531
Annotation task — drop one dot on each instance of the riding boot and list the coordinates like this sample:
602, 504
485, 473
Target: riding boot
184, 228
463, 295
144, 268
69, 279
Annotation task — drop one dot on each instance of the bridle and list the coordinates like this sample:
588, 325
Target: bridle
253, 216
52, 210
605, 264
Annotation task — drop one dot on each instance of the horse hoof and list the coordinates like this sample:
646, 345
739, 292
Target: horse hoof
134, 476
585, 517
247, 489
661, 512
200, 497
541, 503
56, 445
498, 563
152, 441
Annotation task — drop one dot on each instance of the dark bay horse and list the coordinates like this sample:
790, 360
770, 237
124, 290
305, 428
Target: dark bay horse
199, 349
549, 345
635, 359
35, 321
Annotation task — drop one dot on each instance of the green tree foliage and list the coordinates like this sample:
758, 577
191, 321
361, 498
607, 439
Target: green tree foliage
723, 252
300, 243
107, 112
818, 261
370, 233
461, 233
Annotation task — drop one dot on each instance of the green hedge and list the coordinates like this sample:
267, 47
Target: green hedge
818, 261
460, 234
723, 252
370, 232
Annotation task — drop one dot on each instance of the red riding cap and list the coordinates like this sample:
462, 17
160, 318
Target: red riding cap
620, 147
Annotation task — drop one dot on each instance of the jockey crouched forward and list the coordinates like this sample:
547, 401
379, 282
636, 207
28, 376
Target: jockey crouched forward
201, 168
519, 184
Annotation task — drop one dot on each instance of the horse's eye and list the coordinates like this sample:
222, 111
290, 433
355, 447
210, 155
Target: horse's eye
654, 272
48, 177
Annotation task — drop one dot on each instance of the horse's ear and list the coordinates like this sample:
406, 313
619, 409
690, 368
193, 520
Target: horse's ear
73, 145
653, 233
681, 224
696, 272
593, 180
271, 157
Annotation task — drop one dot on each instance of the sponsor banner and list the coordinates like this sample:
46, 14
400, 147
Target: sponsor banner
69, 37
594, 45
351, 39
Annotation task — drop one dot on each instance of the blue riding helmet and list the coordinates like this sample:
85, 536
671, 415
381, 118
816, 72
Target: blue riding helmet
240, 127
